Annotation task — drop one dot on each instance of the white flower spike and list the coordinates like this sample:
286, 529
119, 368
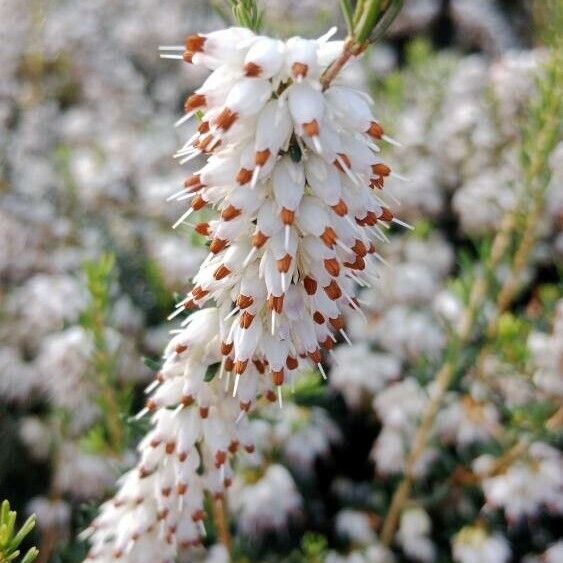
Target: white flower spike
296, 183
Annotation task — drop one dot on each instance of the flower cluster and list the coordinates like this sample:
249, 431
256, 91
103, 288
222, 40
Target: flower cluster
294, 174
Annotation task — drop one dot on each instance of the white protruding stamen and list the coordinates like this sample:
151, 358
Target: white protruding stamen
402, 223
345, 336
391, 141
152, 386
183, 217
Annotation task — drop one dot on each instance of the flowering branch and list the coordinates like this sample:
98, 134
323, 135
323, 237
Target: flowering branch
541, 139
294, 173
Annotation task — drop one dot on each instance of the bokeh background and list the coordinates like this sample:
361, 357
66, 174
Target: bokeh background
89, 269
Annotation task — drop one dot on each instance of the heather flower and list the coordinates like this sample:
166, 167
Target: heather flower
294, 173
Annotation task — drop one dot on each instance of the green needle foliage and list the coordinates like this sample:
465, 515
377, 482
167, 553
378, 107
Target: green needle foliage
112, 398
247, 14
10, 538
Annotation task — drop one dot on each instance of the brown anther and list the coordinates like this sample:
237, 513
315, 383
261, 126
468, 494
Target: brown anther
358, 264
245, 320
203, 142
151, 405
329, 237
340, 208
328, 344
194, 101
244, 176
226, 119
221, 272
375, 130
240, 366
188, 56
202, 229
233, 446
333, 290
244, 406
318, 317
370, 218
244, 301
180, 348
277, 377
162, 514
337, 323
371, 249
380, 169
182, 456
199, 293
261, 157
299, 69
275, 303
193, 183
203, 127
250, 447
292, 363
378, 183
226, 348
195, 43
181, 489
270, 396
359, 248
252, 70
386, 214
311, 128
155, 443
316, 356
217, 245
259, 239
186, 400
259, 365
169, 448
227, 482
284, 264
198, 203
343, 158
287, 216
310, 285
198, 515
203, 412
230, 212
229, 364
166, 491
332, 266
220, 458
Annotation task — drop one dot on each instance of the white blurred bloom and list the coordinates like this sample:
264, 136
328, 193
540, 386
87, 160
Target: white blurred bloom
45, 303
547, 352
528, 485
358, 373
50, 513
64, 361
266, 505
355, 526
473, 544
414, 529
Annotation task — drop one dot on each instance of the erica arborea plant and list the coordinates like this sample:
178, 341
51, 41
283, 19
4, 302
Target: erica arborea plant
294, 176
